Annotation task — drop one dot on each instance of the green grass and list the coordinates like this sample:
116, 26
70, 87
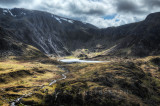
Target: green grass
122, 82
20, 77
125, 80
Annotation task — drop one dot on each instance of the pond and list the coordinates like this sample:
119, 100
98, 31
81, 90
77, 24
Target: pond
80, 61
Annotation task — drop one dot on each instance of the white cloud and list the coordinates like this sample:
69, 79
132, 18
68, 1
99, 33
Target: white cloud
92, 11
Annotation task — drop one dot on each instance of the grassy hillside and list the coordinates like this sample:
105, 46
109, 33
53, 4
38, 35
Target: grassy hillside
19, 77
126, 82
131, 82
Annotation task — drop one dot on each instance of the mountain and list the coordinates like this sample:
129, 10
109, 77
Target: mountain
136, 39
11, 47
29, 77
49, 33
60, 36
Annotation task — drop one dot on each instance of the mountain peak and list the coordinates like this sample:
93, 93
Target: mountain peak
57, 35
153, 16
47, 32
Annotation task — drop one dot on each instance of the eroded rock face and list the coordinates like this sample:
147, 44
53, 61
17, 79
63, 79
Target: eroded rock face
136, 39
7, 44
10, 46
49, 33
59, 36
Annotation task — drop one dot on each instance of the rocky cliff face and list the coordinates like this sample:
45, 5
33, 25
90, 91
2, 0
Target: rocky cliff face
136, 39
49, 33
59, 36
9, 46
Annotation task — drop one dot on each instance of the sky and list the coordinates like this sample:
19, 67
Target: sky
101, 13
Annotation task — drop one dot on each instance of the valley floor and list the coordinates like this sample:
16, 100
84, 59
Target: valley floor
19, 77
130, 82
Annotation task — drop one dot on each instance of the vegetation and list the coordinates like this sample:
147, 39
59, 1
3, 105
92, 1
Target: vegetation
131, 82
115, 83
19, 77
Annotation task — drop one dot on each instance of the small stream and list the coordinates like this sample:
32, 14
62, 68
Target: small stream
13, 103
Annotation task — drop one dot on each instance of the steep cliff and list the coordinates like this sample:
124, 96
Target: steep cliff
60, 36
136, 39
49, 33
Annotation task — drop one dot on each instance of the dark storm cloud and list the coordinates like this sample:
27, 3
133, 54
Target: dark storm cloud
152, 3
128, 7
9, 2
97, 12
90, 11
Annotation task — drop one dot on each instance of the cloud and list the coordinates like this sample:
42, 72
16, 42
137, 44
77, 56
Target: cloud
92, 11
128, 7
152, 3
8, 2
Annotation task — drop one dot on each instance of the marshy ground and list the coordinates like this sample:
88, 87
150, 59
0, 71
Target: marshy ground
19, 77
118, 82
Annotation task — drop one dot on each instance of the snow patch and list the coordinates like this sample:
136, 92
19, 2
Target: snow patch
59, 20
84, 22
5, 11
23, 13
70, 21
64, 19
11, 13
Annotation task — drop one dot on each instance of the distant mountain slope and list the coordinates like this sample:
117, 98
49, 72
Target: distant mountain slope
136, 39
49, 33
60, 36
11, 47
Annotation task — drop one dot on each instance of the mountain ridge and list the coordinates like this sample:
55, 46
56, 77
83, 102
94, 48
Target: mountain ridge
40, 29
61, 36
128, 75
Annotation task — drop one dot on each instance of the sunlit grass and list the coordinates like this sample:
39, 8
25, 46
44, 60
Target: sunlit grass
116, 77
23, 77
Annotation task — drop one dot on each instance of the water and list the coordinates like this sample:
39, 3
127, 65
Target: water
80, 61
63, 75
13, 103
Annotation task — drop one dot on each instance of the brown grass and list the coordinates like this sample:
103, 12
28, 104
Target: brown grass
20, 77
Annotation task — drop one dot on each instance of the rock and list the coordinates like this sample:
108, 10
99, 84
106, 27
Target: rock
82, 56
